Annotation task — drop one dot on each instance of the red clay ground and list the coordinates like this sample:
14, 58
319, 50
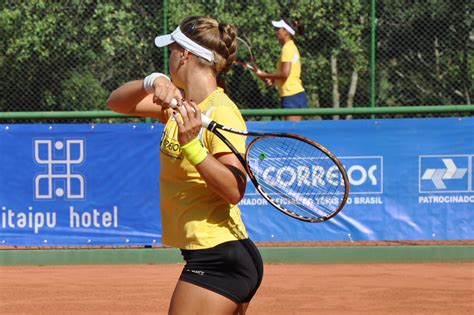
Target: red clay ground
286, 289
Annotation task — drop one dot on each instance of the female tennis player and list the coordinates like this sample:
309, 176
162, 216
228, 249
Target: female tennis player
201, 179
287, 76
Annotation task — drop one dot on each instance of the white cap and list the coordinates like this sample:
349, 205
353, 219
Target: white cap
283, 24
185, 42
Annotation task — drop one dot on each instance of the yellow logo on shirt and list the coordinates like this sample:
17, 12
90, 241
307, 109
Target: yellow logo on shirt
170, 146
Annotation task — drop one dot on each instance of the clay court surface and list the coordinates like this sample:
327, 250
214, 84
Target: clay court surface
442, 288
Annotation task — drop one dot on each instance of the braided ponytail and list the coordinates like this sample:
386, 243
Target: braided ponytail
221, 38
228, 35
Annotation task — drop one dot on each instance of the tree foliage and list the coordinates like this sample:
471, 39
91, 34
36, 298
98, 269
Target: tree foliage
426, 52
47, 46
69, 55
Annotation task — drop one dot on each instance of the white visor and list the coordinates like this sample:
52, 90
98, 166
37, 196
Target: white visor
185, 42
283, 24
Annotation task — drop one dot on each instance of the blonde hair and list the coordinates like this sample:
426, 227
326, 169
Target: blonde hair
221, 38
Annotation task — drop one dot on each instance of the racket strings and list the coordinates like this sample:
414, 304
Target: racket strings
297, 175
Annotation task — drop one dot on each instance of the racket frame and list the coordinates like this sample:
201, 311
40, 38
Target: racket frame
213, 126
251, 64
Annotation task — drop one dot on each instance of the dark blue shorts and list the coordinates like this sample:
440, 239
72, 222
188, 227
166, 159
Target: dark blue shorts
298, 100
233, 269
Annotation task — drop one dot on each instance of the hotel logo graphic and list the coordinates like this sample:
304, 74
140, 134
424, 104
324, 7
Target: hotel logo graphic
59, 159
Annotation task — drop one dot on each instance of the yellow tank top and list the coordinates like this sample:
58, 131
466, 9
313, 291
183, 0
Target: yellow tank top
193, 216
292, 85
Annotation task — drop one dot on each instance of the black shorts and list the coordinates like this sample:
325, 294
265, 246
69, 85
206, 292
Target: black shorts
233, 269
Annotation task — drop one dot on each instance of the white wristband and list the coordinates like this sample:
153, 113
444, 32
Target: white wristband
150, 79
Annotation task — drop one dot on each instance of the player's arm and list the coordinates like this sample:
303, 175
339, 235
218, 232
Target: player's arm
284, 69
132, 99
222, 172
282, 74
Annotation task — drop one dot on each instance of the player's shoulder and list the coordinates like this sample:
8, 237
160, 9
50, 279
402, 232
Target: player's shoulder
290, 45
223, 110
289, 49
222, 102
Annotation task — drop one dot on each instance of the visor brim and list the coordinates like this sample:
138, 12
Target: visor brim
163, 40
277, 24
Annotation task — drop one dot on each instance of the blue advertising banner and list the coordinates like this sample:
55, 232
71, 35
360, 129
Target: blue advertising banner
79, 184
411, 179
72, 185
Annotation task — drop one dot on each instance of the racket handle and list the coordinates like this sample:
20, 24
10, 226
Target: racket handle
174, 103
205, 120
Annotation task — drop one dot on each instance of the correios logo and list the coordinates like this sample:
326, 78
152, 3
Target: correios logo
449, 173
365, 174
59, 177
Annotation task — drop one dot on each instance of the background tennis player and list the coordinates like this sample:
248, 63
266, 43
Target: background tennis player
201, 180
288, 74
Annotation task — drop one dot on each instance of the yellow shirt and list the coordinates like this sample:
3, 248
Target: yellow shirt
292, 85
193, 216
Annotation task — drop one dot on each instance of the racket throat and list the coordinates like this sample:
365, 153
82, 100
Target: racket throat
211, 126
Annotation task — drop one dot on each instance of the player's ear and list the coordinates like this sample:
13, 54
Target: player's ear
184, 56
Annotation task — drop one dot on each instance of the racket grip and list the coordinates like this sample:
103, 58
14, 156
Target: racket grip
174, 103
205, 120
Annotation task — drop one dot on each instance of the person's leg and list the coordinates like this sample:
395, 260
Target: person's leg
192, 299
218, 280
241, 309
293, 118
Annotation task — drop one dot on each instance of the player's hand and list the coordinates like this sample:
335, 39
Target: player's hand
165, 91
268, 82
188, 117
260, 73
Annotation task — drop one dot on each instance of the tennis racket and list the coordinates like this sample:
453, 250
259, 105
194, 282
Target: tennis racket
245, 57
295, 174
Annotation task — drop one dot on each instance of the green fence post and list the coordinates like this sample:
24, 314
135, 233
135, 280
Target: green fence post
165, 31
373, 46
